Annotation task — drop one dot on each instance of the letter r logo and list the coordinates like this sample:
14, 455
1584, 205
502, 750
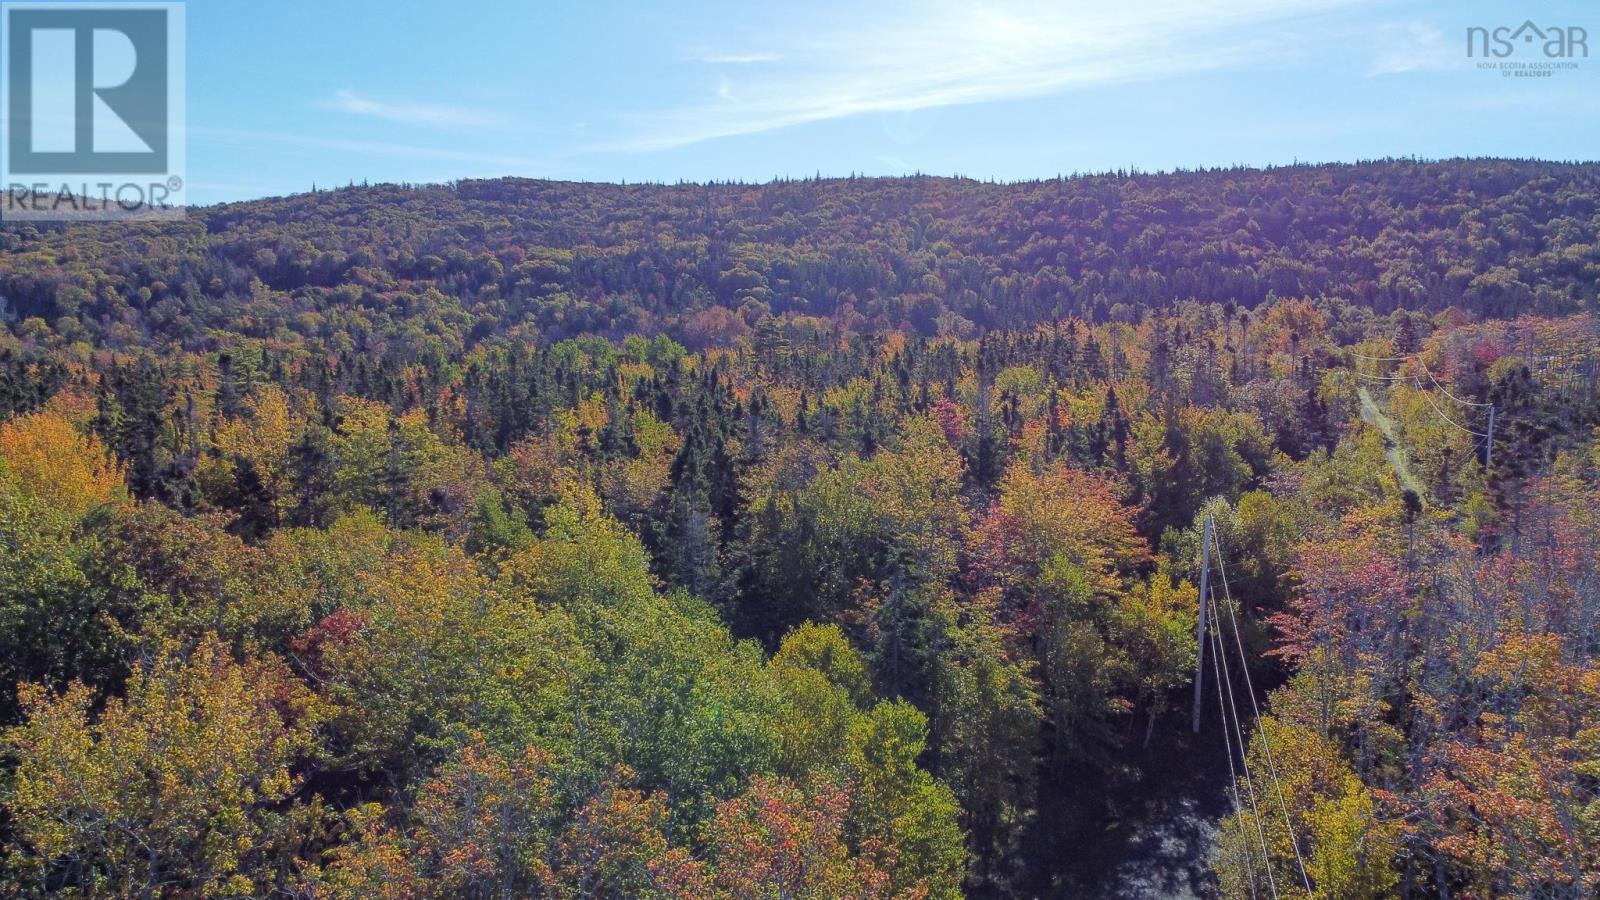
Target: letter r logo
86, 90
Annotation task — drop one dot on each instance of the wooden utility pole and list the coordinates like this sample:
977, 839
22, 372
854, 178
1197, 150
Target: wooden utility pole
1488, 442
1200, 623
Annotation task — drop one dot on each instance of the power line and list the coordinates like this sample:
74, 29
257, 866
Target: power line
1230, 728
1424, 365
1442, 389
1226, 686
1428, 397
1266, 745
1233, 773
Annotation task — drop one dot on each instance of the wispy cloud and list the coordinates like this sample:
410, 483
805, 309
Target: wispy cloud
442, 116
739, 59
875, 59
1401, 47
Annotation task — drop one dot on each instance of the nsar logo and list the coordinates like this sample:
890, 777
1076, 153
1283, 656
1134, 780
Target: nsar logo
1554, 42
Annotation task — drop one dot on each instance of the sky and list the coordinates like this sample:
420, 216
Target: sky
288, 94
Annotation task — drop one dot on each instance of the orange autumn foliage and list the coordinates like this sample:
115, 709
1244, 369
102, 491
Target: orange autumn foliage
48, 458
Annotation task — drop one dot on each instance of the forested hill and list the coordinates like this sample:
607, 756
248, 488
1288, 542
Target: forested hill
346, 553
432, 270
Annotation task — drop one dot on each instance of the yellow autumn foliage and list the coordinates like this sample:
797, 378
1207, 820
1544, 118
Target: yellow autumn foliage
177, 788
49, 459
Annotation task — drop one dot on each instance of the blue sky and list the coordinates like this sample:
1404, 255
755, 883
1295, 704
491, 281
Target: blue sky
289, 93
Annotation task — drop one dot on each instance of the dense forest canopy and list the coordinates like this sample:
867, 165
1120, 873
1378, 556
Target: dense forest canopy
433, 271
820, 539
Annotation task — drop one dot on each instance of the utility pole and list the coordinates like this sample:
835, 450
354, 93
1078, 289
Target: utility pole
1488, 443
1200, 623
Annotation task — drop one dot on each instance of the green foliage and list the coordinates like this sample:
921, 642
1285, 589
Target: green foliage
475, 511
897, 804
988, 736
63, 615
180, 787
